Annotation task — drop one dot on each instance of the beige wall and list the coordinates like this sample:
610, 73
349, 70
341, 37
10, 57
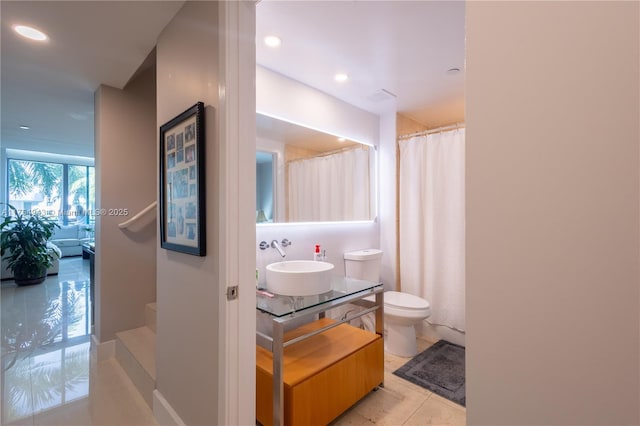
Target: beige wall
188, 301
125, 146
406, 125
552, 119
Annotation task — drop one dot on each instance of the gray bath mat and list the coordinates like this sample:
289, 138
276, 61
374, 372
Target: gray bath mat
440, 369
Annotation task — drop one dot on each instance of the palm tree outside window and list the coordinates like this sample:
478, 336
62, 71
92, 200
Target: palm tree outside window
64, 192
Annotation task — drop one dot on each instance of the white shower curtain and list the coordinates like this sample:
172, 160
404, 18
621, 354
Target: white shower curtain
432, 223
330, 188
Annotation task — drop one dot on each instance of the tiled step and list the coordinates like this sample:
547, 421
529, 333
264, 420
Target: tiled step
150, 315
136, 353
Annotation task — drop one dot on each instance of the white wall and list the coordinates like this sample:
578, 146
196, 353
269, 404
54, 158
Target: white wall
387, 199
63, 148
552, 213
336, 238
188, 286
125, 146
281, 97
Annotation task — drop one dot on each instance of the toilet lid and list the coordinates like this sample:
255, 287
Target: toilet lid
405, 300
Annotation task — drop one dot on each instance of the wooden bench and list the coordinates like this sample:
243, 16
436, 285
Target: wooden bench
324, 375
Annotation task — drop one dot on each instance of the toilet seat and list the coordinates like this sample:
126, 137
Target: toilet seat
404, 305
407, 301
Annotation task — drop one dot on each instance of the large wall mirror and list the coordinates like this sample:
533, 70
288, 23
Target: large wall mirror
304, 175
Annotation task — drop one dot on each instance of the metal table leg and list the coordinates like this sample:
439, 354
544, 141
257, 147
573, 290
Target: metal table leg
380, 318
380, 314
278, 379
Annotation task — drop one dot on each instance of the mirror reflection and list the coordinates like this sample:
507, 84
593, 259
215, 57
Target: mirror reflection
265, 194
304, 175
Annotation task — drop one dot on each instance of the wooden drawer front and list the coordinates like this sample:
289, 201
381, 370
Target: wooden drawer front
324, 395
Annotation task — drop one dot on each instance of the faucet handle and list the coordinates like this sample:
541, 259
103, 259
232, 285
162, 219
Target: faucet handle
264, 245
276, 245
285, 243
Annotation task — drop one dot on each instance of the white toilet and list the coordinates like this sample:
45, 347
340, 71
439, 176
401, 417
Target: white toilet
402, 311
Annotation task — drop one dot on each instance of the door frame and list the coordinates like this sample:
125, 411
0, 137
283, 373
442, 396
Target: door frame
237, 355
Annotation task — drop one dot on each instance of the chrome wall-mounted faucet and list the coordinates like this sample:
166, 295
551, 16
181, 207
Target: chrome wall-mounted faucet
276, 245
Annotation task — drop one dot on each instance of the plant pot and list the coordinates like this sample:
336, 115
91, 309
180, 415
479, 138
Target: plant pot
35, 277
29, 281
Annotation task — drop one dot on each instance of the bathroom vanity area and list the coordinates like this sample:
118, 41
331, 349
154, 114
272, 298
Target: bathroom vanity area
313, 373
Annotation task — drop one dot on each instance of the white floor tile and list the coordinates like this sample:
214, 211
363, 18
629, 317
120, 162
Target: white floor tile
49, 373
401, 402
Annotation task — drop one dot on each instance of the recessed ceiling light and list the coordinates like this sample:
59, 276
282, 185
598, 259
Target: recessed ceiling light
23, 127
341, 139
272, 41
341, 77
453, 71
30, 33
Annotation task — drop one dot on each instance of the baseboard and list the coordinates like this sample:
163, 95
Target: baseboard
142, 379
104, 350
434, 333
163, 412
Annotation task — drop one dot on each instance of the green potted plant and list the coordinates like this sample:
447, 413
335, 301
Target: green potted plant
24, 239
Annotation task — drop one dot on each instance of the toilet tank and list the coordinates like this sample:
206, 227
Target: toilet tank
363, 264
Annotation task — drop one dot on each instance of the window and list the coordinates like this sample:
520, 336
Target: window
64, 192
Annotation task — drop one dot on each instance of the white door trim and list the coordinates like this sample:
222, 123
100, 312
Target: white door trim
237, 356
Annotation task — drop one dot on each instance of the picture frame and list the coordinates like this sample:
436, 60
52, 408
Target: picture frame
182, 183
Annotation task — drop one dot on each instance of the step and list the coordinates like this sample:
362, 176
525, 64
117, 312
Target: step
136, 353
150, 315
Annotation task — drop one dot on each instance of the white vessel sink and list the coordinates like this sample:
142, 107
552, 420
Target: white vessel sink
299, 277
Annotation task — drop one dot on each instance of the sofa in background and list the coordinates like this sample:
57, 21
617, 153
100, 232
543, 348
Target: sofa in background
69, 239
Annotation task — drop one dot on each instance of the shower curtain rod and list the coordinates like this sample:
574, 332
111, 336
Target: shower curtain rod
328, 153
435, 130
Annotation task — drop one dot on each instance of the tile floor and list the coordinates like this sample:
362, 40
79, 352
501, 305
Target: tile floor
401, 402
50, 375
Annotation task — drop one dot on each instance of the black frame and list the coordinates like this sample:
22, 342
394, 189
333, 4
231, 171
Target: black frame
182, 183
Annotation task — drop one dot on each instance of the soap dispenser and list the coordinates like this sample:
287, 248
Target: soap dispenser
317, 255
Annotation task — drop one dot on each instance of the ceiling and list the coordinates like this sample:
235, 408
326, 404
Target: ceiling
401, 48
49, 86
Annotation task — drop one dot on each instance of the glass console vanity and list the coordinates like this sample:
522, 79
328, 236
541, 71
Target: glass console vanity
318, 353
